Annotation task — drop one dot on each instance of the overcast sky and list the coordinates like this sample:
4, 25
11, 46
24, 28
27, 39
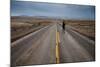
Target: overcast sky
67, 11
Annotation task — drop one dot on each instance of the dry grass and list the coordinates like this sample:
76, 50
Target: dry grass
21, 26
84, 27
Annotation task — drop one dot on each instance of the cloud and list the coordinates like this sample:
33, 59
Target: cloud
52, 10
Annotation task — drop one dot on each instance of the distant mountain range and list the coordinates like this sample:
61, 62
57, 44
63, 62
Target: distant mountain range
42, 17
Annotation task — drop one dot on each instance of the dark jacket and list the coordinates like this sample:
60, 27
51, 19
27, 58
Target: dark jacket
63, 25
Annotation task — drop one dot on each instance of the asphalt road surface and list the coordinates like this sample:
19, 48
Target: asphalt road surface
51, 45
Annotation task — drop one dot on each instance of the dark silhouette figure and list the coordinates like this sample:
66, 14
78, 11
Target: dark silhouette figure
63, 26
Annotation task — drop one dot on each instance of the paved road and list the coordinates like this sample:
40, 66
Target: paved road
75, 47
40, 47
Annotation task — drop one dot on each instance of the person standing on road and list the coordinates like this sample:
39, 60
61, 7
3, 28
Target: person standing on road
63, 25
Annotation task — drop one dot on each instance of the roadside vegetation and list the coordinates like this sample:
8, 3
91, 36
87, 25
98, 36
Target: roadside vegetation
21, 26
84, 27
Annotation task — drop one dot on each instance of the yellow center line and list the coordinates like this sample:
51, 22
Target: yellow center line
57, 47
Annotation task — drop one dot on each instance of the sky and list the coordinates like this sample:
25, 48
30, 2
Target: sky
63, 11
